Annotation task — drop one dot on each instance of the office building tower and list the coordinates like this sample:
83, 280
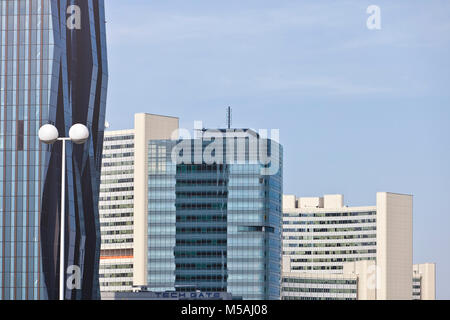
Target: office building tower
321, 234
331, 251
119, 183
211, 215
53, 70
116, 211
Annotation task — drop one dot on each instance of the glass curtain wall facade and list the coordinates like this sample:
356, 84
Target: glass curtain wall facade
50, 73
213, 227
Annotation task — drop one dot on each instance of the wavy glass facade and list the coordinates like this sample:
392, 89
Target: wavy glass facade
214, 227
49, 74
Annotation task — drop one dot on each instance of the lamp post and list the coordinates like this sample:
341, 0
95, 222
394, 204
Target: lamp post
48, 134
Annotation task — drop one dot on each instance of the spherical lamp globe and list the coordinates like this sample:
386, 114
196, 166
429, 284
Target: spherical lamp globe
48, 134
79, 133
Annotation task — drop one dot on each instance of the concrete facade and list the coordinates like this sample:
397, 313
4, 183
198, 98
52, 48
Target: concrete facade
394, 246
324, 239
425, 275
147, 127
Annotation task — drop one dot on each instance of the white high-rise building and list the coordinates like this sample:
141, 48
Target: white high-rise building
123, 191
116, 207
331, 251
321, 234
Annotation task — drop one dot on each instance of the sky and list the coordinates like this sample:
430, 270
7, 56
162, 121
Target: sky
359, 111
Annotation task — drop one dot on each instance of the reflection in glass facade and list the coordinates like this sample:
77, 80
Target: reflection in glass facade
49, 74
214, 227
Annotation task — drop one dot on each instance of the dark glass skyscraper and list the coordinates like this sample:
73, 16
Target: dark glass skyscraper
53, 69
214, 215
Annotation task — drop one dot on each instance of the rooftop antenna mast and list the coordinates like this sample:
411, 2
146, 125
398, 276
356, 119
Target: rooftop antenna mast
229, 117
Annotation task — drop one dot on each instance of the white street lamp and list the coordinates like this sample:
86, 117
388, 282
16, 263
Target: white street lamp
48, 134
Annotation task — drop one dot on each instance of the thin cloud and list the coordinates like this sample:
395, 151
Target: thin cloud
322, 85
142, 24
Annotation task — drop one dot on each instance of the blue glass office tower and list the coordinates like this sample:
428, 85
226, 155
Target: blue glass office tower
50, 73
215, 227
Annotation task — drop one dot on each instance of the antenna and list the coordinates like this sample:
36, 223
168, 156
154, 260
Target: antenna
229, 117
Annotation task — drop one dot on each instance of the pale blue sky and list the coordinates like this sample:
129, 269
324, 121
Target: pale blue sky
359, 111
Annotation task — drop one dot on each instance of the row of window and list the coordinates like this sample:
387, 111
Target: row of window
334, 260
118, 155
115, 215
116, 284
202, 218
201, 242
197, 168
116, 232
323, 268
197, 254
117, 198
333, 222
118, 172
112, 181
201, 278
318, 253
201, 206
320, 290
118, 164
118, 146
212, 182
116, 266
116, 206
344, 237
374, 228
119, 138
329, 245
117, 241
121, 189
201, 266
116, 224
319, 281
329, 214
115, 275
203, 194
202, 230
